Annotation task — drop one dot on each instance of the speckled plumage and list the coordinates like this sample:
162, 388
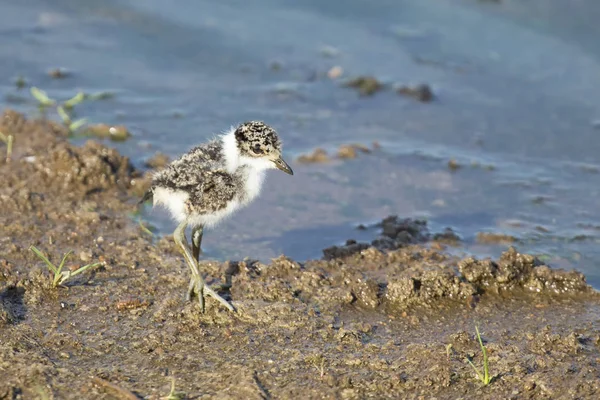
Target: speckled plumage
210, 182
214, 179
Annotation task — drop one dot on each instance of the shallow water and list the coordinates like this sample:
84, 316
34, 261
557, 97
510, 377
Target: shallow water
517, 86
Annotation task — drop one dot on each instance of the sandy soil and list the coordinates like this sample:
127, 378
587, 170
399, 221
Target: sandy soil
394, 318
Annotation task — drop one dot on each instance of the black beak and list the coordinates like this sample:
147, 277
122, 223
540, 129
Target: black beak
282, 165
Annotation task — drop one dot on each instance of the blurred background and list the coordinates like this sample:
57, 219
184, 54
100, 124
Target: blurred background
506, 144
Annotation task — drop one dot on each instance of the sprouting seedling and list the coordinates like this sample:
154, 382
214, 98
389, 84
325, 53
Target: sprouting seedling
73, 101
8, 139
485, 376
42, 97
73, 126
173, 395
66, 118
61, 276
65, 110
448, 350
45, 101
145, 228
322, 367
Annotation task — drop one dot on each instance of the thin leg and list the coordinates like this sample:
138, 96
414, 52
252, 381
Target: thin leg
197, 241
197, 284
197, 232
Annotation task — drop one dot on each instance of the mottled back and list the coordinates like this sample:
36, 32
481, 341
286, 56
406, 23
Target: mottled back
188, 170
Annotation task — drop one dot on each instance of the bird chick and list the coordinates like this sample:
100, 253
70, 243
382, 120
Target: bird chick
212, 181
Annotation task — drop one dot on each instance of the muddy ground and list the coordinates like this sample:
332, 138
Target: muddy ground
394, 318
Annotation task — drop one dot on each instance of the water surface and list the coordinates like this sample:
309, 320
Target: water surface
517, 87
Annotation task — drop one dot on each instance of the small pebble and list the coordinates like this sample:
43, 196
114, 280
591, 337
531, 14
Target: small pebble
58, 73
85, 256
335, 72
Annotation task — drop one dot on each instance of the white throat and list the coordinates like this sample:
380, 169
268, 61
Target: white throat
230, 151
252, 169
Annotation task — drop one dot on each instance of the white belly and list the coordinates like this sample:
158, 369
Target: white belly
254, 181
172, 200
212, 219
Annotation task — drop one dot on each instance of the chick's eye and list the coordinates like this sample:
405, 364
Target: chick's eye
257, 149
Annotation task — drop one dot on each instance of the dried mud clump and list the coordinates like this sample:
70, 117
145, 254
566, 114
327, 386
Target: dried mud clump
317, 156
418, 276
514, 270
395, 233
59, 73
117, 133
426, 287
422, 92
350, 151
45, 163
430, 278
93, 166
453, 165
344, 152
351, 247
448, 236
366, 85
494, 238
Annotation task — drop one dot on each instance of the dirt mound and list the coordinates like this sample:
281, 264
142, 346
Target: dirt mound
43, 159
392, 318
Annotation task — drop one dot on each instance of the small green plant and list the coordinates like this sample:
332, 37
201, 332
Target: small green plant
65, 109
8, 139
146, 229
42, 97
484, 377
448, 350
72, 126
173, 395
61, 276
73, 101
318, 361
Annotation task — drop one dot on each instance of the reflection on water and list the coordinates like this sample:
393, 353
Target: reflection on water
516, 83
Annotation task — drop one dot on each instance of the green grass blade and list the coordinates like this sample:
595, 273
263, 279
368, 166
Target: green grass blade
479, 376
73, 101
63, 115
62, 262
58, 279
84, 268
43, 258
41, 96
3, 137
77, 124
145, 229
486, 372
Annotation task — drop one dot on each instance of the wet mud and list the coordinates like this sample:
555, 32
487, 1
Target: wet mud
421, 92
391, 318
344, 152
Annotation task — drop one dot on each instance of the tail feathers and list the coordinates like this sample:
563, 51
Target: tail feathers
147, 196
